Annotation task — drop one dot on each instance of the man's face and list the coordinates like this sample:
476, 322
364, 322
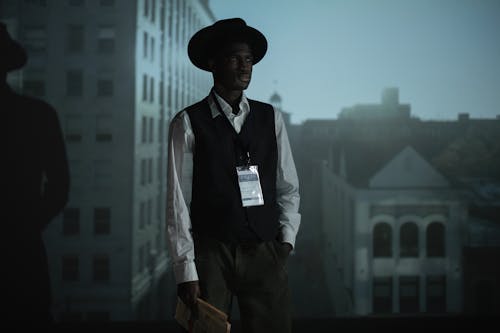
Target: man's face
232, 67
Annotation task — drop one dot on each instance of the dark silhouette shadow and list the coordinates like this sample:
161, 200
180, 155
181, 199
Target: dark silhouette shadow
35, 185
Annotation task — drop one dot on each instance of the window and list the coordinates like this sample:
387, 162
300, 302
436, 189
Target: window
169, 96
178, 22
149, 211
408, 240
145, 45
76, 3
162, 93
76, 173
382, 295
146, 8
144, 87
162, 20
436, 294
148, 257
151, 129
70, 268
159, 167
102, 173
153, 10
143, 172
106, 40
158, 205
73, 137
142, 215
42, 3
74, 83
409, 294
35, 39
104, 137
150, 170
152, 49
160, 131
104, 132
141, 259
105, 87
144, 133
102, 221
158, 243
73, 130
106, 3
435, 240
34, 87
170, 19
151, 89
75, 38
382, 240
101, 268
71, 221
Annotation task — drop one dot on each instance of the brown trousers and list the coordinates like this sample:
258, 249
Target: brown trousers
255, 273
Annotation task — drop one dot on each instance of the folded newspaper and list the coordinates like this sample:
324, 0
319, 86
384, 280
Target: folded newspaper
208, 320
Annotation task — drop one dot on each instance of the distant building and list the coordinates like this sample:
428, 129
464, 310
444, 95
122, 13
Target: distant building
393, 233
293, 130
482, 248
389, 108
116, 71
340, 203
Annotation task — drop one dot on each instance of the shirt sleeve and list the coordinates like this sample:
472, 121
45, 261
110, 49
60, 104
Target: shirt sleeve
180, 240
287, 184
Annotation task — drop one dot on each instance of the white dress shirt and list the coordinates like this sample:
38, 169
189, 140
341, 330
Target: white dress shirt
181, 144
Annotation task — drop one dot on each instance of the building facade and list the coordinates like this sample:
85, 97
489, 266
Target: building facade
394, 246
376, 231
116, 72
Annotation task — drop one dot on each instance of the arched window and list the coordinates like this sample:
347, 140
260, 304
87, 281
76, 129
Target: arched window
435, 240
382, 240
408, 240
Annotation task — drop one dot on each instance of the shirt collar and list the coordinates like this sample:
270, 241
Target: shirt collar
226, 108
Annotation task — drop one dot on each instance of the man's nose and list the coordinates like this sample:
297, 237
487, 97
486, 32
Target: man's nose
244, 65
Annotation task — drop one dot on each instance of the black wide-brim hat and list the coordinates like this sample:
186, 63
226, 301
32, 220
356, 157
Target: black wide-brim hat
208, 40
12, 54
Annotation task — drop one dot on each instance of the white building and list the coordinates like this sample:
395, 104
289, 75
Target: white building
393, 233
116, 71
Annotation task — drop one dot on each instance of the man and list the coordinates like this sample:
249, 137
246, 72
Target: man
35, 183
230, 162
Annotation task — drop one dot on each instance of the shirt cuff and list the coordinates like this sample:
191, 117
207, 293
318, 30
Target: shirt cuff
185, 272
288, 236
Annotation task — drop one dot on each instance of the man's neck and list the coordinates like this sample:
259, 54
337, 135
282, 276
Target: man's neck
232, 97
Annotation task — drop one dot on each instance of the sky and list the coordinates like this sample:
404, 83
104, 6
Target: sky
324, 55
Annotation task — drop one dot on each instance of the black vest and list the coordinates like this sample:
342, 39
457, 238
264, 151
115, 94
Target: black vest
216, 208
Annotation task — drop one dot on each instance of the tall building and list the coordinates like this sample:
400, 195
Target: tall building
116, 72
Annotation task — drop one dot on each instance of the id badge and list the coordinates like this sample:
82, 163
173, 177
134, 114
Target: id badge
249, 181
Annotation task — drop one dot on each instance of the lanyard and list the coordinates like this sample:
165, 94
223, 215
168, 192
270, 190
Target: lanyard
242, 149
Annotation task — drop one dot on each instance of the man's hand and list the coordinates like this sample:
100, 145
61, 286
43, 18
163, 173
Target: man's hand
283, 248
189, 292
287, 246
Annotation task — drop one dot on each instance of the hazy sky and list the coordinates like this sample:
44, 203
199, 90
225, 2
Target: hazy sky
444, 55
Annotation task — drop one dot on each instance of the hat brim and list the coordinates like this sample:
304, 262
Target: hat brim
205, 42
